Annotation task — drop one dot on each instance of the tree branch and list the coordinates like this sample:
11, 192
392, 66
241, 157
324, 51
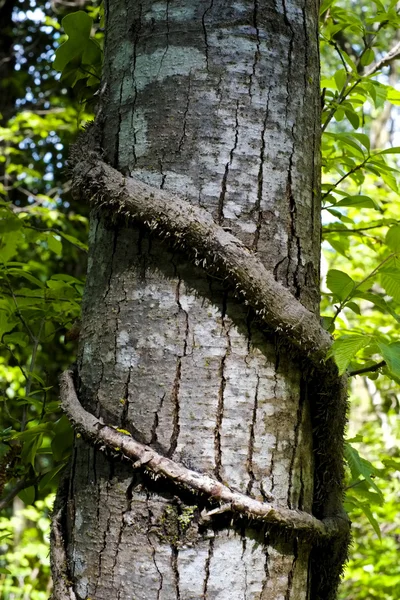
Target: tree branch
194, 229
371, 369
386, 60
142, 455
19, 486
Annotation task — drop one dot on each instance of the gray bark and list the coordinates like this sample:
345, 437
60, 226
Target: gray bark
219, 103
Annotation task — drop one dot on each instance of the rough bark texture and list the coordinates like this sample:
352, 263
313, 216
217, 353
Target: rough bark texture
216, 101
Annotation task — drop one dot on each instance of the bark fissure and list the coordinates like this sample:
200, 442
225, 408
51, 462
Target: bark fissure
153, 436
221, 200
292, 571
207, 567
257, 51
176, 408
295, 446
186, 314
135, 91
125, 402
293, 229
250, 471
260, 179
153, 550
203, 23
118, 546
185, 114
104, 544
175, 570
219, 418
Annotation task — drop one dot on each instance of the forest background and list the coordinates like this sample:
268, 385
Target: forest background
43, 236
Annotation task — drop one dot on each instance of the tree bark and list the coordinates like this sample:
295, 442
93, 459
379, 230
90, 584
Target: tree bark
217, 102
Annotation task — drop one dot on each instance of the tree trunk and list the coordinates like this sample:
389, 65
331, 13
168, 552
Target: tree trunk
217, 102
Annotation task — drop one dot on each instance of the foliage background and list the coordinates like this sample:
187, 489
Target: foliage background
43, 231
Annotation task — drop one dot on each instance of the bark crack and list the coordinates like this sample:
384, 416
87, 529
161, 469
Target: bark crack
167, 38
266, 572
175, 570
125, 402
207, 568
104, 543
133, 79
118, 545
252, 439
260, 179
178, 301
176, 408
203, 22
257, 52
113, 252
243, 536
293, 237
153, 550
221, 391
292, 570
153, 435
221, 200
299, 418
185, 114
275, 448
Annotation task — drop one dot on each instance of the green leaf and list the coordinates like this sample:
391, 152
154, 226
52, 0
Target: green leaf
391, 463
27, 495
367, 511
77, 26
358, 201
54, 244
354, 307
391, 354
390, 280
393, 150
340, 79
7, 322
378, 301
360, 466
392, 238
63, 439
49, 476
353, 118
340, 245
368, 57
339, 283
345, 348
392, 95
74, 240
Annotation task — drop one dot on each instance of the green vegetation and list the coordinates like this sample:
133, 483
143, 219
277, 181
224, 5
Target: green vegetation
43, 237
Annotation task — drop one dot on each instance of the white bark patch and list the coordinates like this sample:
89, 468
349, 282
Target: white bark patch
126, 354
122, 56
158, 12
133, 136
191, 563
164, 63
227, 569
